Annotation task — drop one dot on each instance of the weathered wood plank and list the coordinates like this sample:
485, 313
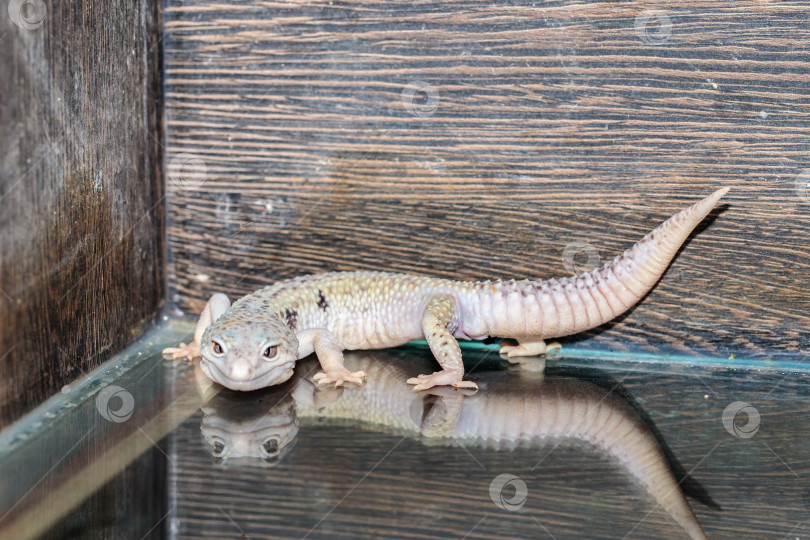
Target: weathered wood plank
82, 272
473, 140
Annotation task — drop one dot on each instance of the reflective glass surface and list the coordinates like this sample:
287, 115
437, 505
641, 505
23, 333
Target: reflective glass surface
572, 447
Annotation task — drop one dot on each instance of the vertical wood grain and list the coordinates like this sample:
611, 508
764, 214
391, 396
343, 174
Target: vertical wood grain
81, 270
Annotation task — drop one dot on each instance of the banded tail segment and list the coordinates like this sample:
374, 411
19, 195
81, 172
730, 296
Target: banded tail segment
617, 430
568, 409
597, 297
559, 307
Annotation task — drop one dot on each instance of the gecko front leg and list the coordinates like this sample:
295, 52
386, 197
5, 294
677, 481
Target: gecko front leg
216, 306
439, 321
330, 356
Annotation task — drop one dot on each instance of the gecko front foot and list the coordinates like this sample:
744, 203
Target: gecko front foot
339, 376
528, 348
190, 351
440, 378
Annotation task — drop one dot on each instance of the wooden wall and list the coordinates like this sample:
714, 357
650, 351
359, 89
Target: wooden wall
478, 139
81, 251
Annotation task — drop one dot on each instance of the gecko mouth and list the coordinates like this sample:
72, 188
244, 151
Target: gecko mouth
276, 375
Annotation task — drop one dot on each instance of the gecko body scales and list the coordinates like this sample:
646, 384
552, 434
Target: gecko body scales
256, 341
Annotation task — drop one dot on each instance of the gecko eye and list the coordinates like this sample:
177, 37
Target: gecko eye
219, 448
270, 447
270, 352
217, 348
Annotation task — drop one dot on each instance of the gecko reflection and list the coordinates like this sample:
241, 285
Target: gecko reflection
260, 427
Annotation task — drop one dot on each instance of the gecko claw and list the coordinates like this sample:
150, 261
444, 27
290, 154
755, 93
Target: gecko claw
339, 376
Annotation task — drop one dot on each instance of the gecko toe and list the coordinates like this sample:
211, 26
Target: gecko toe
181, 352
465, 384
528, 348
422, 385
339, 377
174, 351
440, 378
358, 377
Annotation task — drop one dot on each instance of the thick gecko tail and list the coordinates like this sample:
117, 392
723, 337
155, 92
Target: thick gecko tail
594, 298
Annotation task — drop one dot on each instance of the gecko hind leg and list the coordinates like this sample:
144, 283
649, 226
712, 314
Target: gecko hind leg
439, 321
528, 347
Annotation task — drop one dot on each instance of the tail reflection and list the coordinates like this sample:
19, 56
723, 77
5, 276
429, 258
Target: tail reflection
259, 427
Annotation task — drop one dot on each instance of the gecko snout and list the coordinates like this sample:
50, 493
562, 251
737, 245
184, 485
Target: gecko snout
241, 371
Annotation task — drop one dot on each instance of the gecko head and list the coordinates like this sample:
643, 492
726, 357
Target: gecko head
240, 429
248, 351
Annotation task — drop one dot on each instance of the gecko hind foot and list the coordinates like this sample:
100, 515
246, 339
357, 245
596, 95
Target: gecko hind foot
182, 351
339, 376
528, 348
440, 378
